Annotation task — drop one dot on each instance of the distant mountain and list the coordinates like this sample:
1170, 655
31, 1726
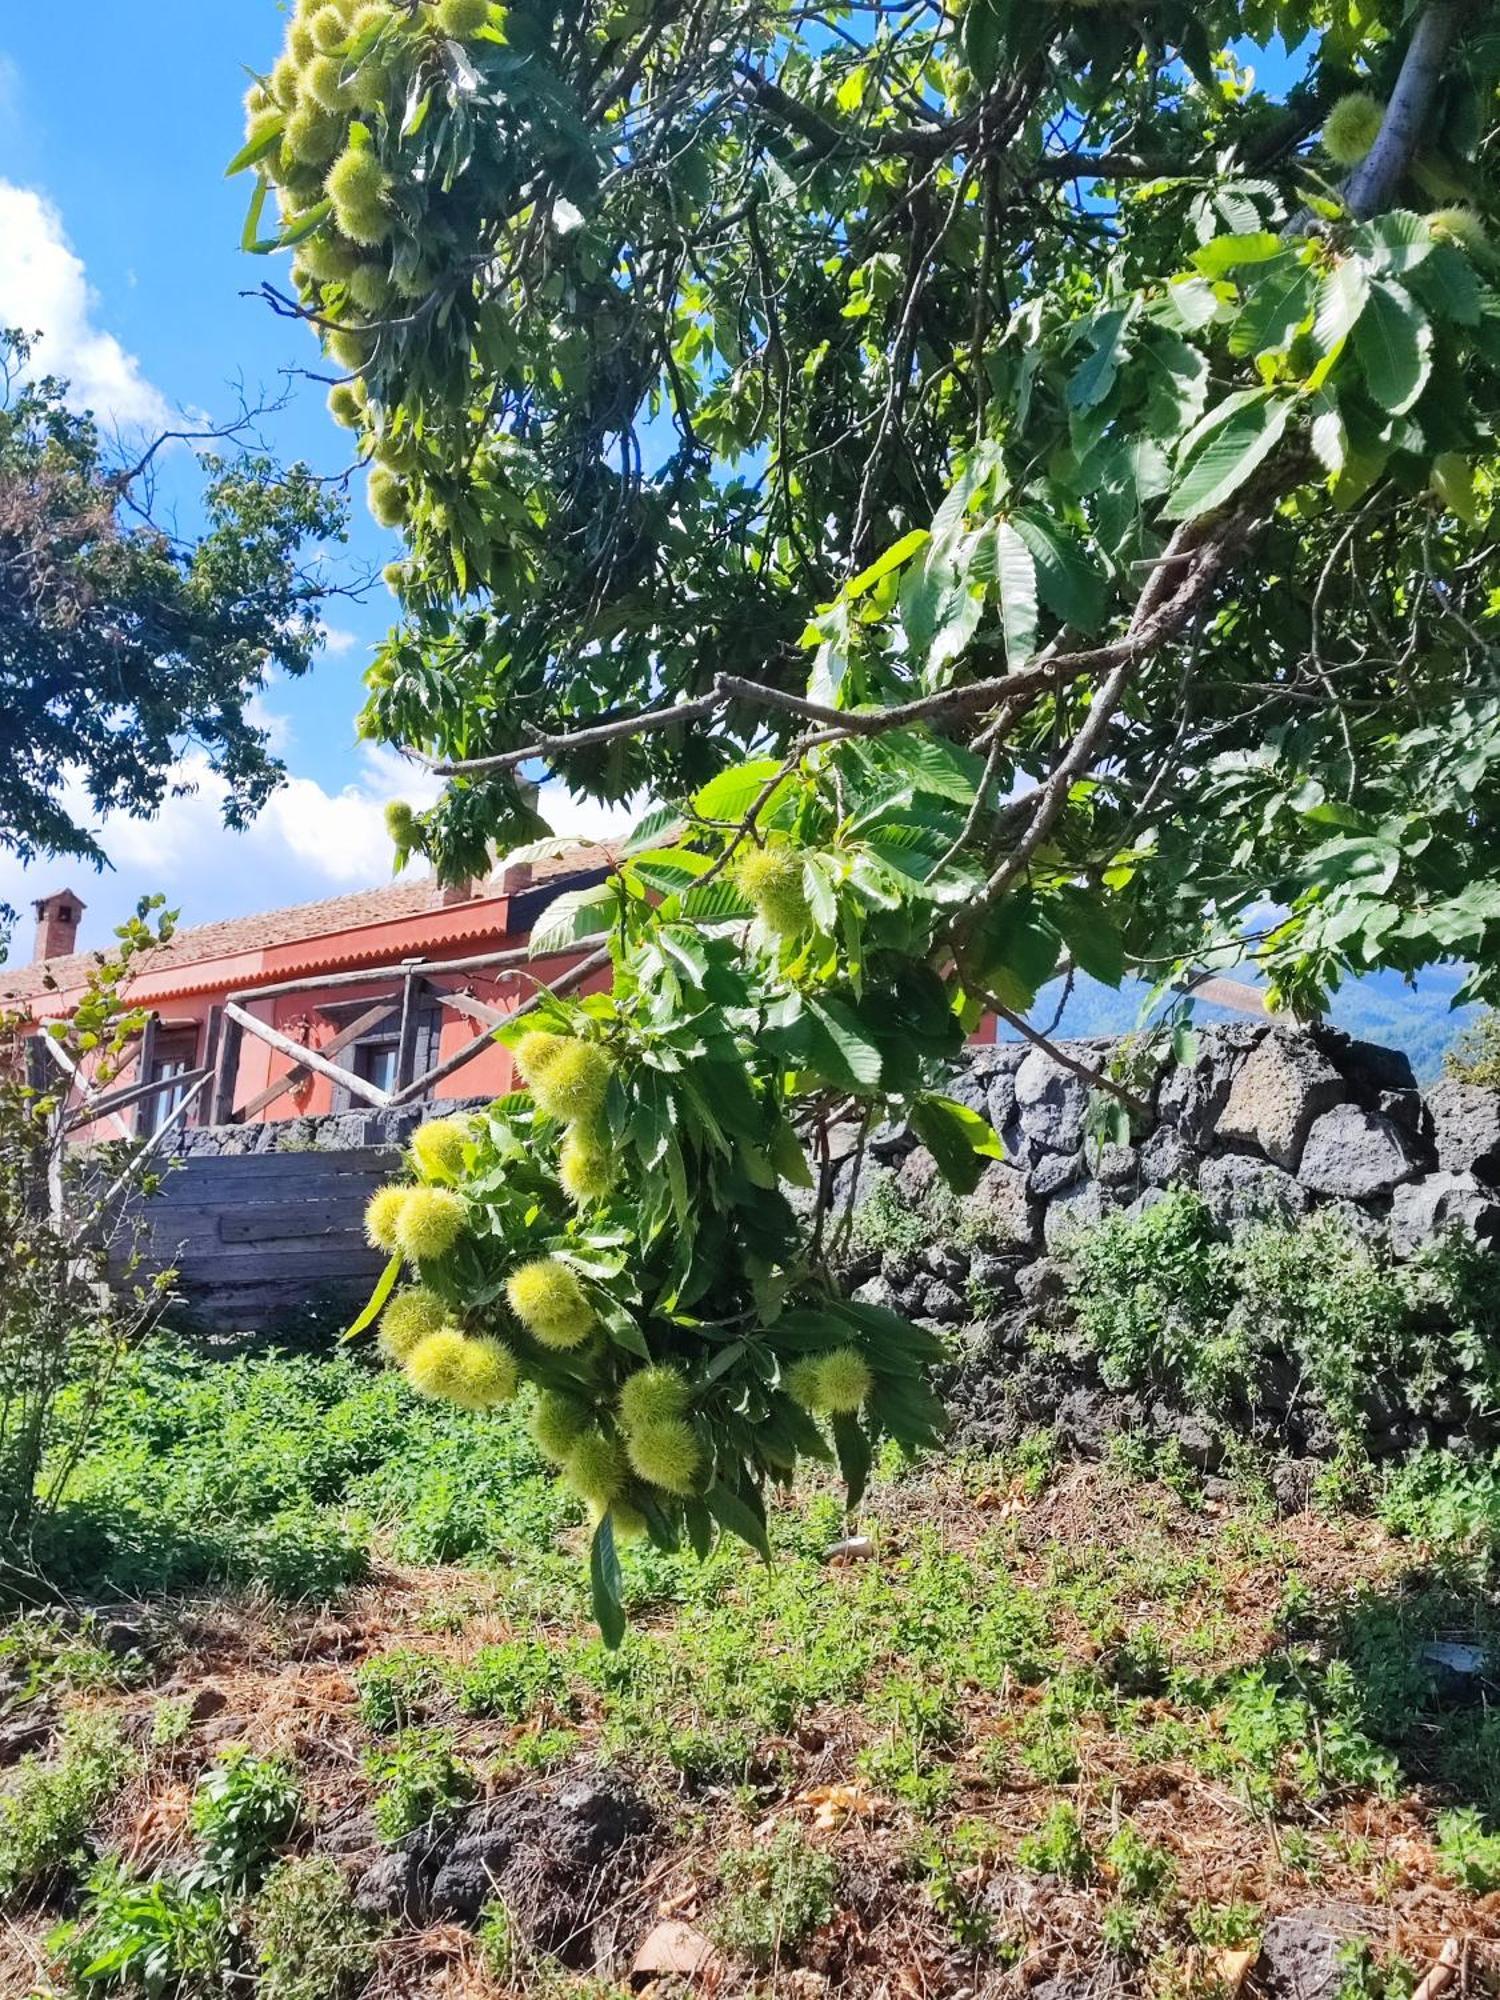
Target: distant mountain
1420, 1020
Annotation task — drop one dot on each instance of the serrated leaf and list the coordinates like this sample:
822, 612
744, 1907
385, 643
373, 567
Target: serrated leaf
731, 794
1228, 253
1393, 342
1067, 582
737, 1517
574, 916
256, 148
854, 1454
897, 554
607, 1585
1275, 306
384, 1285
959, 1140
1342, 292
1015, 577
839, 1047
1094, 377
296, 232
1330, 441
983, 39
1232, 453
1447, 285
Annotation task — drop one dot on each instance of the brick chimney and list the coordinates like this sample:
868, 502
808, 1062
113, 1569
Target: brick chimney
57, 921
458, 892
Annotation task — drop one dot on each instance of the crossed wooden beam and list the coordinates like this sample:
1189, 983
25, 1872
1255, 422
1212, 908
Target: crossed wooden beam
417, 991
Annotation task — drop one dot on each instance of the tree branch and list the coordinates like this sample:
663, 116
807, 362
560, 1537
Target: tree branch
1377, 176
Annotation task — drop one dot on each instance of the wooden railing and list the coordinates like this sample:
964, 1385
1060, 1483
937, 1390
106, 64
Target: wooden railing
417, 991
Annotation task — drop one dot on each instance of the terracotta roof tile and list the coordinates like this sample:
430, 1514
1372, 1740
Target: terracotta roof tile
267, 929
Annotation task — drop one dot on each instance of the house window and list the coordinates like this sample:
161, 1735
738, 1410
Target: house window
374, 1057
172, 1056
376, 1063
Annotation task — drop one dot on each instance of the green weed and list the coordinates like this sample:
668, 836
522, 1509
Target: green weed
775, 1897
310, 1941
416, 1777
46, 1813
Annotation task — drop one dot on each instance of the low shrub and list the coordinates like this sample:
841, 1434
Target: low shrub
775, 1897
1245, 1324
46, 1813
310, 1941
243, 1809
154, 1937
416, 1777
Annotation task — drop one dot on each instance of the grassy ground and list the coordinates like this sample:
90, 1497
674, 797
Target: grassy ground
1067, 1729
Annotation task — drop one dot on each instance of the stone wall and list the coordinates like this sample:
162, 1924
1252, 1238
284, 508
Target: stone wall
335, 1132
1265, 1122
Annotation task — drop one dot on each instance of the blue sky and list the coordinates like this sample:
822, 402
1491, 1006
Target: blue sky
119, 242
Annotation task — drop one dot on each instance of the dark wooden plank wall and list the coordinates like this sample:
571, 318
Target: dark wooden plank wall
259, 1238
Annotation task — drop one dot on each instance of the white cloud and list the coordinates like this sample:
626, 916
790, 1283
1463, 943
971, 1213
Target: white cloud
586, 818
308, 842
336, 641
44, 289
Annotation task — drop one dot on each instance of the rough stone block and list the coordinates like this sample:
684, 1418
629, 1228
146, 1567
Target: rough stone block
1001, 1210
1192, 1096
1284, 1086
1000, 1100
1240, 1188
1117, 1166
1466, 1129
1354, 1154
1425, 1208
1053, 1103
1080, 1207
1053, 1172
1167, 1160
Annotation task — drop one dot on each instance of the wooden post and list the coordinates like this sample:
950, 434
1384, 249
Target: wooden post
231, 1040
412, 991
147, 1055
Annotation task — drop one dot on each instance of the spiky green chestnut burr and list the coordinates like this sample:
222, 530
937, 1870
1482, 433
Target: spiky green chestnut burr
548, 1300
357, 187
585, 1167
1462, 225
1352, 127
665, 1454
461, 20
312, 137
430, 1223
323, 82
383, 1214
438, 1148
573, 1084
409, 1318
771, 877
653, 1396
556, 1424
453, 1368
844, 1380
387, 498
346, 405
596, 1469
329, 28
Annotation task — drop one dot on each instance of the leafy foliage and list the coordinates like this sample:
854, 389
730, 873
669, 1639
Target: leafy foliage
1173, 1301
1005, 543
120, 642
74, 1295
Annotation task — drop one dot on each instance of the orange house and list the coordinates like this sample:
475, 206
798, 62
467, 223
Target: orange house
353, 1003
